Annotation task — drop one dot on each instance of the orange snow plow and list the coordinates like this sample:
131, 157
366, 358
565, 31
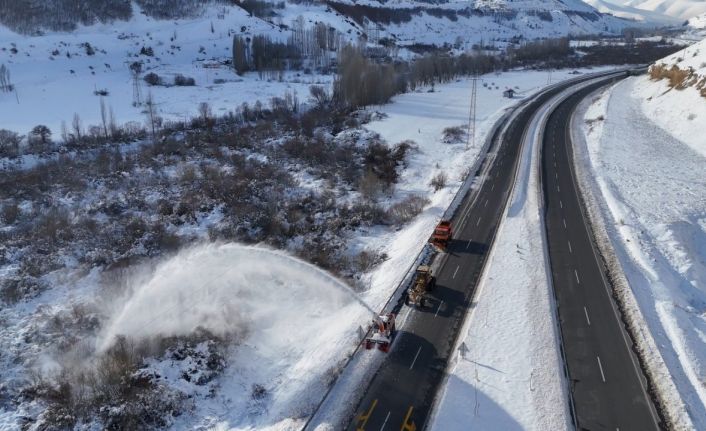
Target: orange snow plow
442, 235
383, 331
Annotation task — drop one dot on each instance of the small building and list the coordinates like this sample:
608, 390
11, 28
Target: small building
509, 93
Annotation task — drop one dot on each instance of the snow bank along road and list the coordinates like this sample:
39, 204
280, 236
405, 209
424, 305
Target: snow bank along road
403, 390
608, 387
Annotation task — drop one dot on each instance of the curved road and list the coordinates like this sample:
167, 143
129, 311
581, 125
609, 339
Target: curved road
607, 384
401, 394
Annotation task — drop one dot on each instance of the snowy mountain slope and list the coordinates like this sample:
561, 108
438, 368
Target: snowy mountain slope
698, 22
681, 9
57, 72
629, 12
676, 99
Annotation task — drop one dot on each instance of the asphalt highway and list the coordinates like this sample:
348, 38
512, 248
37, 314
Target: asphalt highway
402, 392
608, 386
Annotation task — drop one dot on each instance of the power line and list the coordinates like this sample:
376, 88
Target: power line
471, 139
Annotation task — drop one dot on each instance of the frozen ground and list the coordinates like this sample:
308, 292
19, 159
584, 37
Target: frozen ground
651, 196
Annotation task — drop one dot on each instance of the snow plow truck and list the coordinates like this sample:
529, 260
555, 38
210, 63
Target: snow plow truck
382, 333
424, 281
442, 235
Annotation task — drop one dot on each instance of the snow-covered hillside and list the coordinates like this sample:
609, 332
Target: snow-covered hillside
676, 101
698, 22
616, 8
643, 164
66, 73
681, 9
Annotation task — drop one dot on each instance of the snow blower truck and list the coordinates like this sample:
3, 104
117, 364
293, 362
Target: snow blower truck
424, 282
382, 333
442, 235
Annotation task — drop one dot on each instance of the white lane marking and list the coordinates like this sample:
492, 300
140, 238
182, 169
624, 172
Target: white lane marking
438, 308
570, 250
415, 357
556, 175
468, 244
585, 311
558, 189
555, 164
493, 187
600, 366
564, 223
478, 222
561, 204
486, 203
386, 418
455, 272
576, 273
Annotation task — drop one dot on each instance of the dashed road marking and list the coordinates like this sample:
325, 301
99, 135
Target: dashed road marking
386, 418
570, 250
468, 244
486, 203
600, 367
455, 272
561, 204
438, 308
576, 273
564, 223
478, 222
415, 357
558, 189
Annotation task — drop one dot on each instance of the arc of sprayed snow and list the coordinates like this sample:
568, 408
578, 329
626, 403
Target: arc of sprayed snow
191, 254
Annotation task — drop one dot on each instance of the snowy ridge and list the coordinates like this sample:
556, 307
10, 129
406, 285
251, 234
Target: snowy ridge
681, 9
629, 12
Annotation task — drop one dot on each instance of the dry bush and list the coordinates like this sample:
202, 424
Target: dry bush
439, 181
10, 213
407, 209
454, 135
367, 259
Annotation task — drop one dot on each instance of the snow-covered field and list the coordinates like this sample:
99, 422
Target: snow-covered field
54, 71
650, 188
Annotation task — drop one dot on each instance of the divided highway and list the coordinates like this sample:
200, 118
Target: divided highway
606, 381
401, 394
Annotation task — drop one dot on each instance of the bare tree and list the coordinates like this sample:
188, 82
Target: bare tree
77, 127
104, 118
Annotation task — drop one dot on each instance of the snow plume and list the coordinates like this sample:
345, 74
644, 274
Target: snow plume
229, 290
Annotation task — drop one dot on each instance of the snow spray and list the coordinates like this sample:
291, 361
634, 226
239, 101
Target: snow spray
229, 290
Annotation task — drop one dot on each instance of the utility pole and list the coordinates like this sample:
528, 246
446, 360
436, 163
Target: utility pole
471, 140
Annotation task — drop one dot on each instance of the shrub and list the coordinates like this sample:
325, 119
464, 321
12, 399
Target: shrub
153, 79
406, 209
439, 181
454, 135
183, 81
10, 213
